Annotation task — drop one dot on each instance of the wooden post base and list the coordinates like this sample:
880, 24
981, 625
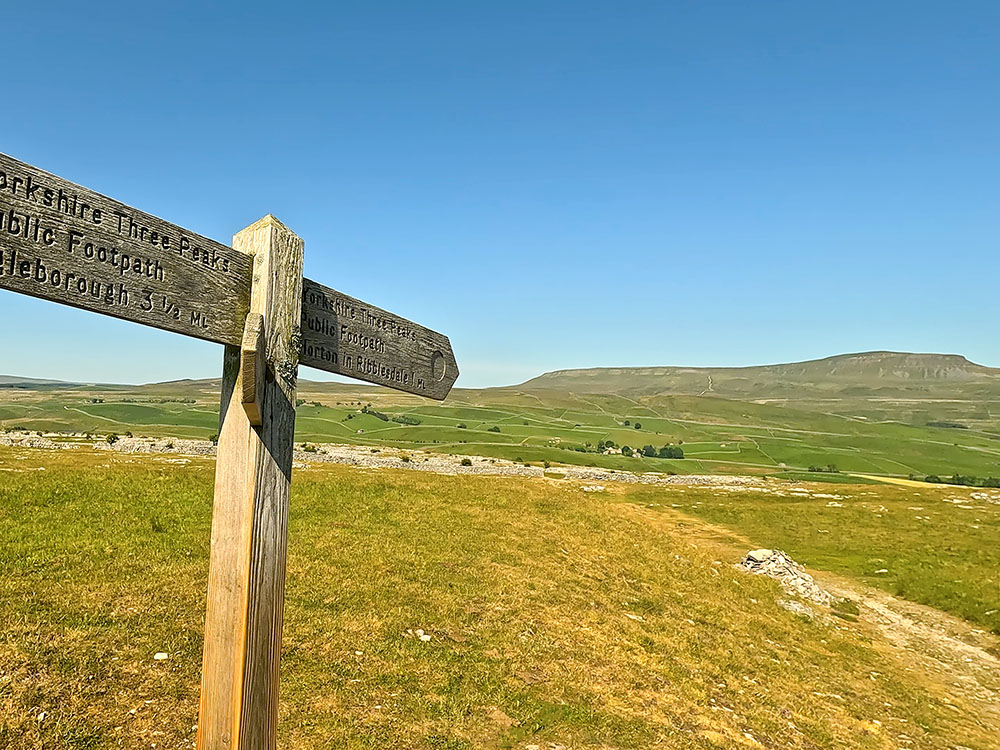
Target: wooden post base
246, 586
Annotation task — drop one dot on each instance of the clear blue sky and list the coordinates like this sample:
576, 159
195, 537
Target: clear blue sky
552, 184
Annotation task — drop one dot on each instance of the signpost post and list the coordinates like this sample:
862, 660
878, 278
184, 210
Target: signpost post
67, 244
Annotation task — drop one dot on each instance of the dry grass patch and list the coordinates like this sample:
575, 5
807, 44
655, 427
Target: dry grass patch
553, 616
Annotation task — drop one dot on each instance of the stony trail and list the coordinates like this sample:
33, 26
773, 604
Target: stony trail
384, 458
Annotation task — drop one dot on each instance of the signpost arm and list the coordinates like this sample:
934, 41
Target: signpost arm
89, 251
239, 689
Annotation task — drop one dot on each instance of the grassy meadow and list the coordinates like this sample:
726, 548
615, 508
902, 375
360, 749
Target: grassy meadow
556, 617
931, 545
717, 435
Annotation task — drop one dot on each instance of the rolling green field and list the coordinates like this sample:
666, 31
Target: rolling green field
717, 435
555, 616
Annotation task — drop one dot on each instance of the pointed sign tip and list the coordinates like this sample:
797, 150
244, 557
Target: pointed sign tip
344, 335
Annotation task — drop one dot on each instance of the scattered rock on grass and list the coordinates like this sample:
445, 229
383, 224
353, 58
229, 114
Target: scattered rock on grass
792, 576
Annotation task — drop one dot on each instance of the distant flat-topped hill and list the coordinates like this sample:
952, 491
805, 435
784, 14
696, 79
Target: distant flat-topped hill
862, 374
850, 374
873, 413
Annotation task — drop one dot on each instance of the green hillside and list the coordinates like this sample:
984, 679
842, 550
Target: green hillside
875, 386
887, 414
873, 370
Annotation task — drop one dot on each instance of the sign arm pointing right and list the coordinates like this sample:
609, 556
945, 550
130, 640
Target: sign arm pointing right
344, 335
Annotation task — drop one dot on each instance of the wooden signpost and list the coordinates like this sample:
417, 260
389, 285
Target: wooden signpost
67, 244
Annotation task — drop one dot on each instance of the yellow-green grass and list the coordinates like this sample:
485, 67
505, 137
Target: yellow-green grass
555, 615
931, 545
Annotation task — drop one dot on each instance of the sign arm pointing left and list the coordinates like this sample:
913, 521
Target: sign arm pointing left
67, 244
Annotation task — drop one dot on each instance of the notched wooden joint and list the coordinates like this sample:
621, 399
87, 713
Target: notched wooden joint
253, 368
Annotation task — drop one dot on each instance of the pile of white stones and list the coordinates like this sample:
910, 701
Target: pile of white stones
26, 440
792, 576
157, 445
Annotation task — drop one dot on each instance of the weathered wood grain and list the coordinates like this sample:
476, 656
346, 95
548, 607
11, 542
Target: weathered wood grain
239, 692
68, 244
62, 242
253, 368
344, 335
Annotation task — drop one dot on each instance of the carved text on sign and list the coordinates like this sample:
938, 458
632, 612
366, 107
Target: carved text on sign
344, 335
65, 243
